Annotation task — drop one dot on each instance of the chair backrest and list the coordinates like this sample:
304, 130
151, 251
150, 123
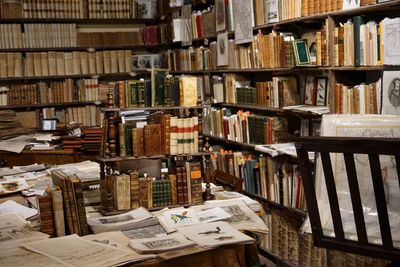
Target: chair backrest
372, 147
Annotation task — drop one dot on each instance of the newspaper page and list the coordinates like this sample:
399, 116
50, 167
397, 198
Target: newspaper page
73, 250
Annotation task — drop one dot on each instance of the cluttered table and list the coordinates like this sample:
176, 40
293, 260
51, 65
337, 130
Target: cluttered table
210, 234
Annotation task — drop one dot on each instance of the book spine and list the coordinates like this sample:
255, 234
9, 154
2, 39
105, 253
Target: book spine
46, 218
80, 203
58, 211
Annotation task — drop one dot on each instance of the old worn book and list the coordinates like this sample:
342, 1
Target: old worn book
195, 182
121, 134
152, 140
137, 142
60, 61
80, 204
145, 192
174, 192
122, 188
58, 211
188, 91
134, 189
45, 209
157, 86
114, 61
58, 179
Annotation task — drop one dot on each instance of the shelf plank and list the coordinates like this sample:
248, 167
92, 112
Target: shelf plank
275, 259
44, 105
300, 214
150, 108
340, 13
229, 142
87, 48
78, 21
122, 75
100, 159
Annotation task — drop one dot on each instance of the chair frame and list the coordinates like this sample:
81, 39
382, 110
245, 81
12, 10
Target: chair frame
348, 146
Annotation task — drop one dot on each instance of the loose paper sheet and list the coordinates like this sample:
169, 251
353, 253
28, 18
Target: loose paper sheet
214, 234
11, 206
73, 250
159, 244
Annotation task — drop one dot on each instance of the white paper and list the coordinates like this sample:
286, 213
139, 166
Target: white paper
73, 250
12, 186
11, 206
212, 215
16, 144
120, 241
160, 244
13, 255
180, 217
390, 39
214, 234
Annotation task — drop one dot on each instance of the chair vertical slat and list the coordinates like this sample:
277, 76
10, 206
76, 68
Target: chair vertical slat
309, 192
398, 167
381, 205
332, 195
355, 198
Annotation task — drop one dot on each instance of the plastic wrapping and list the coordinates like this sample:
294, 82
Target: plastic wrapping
385, 126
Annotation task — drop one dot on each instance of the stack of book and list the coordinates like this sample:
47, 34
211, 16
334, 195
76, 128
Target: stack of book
162, 135
10, 125
62, 210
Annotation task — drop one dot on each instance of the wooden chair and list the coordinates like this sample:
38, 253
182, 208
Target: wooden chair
373, 147
231, 182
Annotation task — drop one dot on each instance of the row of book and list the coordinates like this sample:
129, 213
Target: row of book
162, 135
296, 248
272, 50
37, 35
64, 63
62, 208
105, 9
130, 191
359, 99
245, 127
68, 35
55, 92
278, 93
271, 178
161, 91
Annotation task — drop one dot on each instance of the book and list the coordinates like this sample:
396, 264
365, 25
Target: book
58, 211
152, 140
137, 142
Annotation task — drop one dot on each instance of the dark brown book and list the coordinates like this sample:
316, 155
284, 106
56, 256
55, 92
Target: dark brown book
145, 192
46, 218
152, 140
179, 185
195, 182
137, 142
80, 204
174, 192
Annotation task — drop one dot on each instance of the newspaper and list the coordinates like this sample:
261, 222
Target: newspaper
73, 250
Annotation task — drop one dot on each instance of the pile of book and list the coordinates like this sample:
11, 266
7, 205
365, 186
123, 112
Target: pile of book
10, 126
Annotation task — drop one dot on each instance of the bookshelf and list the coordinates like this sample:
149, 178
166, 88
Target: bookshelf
337, 74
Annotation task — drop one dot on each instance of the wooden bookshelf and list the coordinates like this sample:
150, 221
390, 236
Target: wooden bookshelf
229, 142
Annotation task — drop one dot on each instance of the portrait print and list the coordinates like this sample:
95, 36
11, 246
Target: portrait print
391, 92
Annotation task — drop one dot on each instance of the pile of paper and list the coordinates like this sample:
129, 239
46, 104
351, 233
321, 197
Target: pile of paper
223, 195
130, 220
160, 244
10, 126
214, 234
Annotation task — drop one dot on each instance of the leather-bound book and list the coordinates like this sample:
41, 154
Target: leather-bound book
45, 209
134, 189
137, 142
152, 138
